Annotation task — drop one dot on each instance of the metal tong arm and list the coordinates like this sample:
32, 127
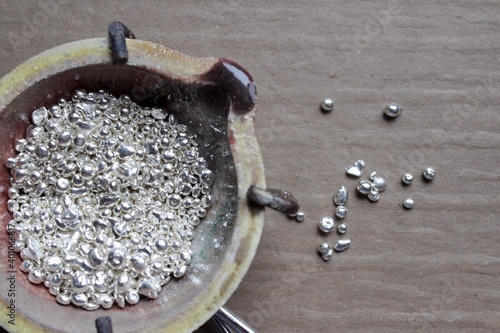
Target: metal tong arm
117, 33
226, 322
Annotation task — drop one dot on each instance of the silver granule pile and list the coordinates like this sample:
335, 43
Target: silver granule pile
105, 197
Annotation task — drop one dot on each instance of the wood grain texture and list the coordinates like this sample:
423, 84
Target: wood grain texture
435, 268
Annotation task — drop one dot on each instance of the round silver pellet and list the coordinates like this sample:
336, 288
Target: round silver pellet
407, 178
324, 247
374, 195
379, 183
62, 185
300, 217
342, 244
364, 186
327, 105
327, 224
341, 212
328, 255
340, 198
393, 110
408, 203
429, 173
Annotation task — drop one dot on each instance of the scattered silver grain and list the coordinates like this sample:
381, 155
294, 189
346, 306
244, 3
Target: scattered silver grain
355, 170
393, 110
328, 255
408, 203
326, 224
341, 212
364, 186
374, 195
342, 244
89, 193
429, 173
407, 178
327, 105
340, 198
379, 183
324, 247
300, 217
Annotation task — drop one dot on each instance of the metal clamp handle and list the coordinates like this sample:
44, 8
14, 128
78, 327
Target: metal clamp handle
103, 325
280, 200
117, 32
226, 322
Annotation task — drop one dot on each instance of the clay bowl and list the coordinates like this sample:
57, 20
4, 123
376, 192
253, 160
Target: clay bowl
215, 98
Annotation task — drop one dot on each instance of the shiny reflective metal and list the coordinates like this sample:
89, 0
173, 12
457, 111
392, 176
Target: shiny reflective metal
327, 224
342, 245
341, 228
393, 110
300, 217
328, 255
429, 173
227, 322
379, 183
340, 198
355, 170
374, 195
341, 212
324, 247
327, 105
364, 186
408, 203
407, 178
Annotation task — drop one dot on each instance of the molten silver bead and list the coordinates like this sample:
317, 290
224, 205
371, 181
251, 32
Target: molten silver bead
408, 203
324, 247
340, 198
356, 169
39, 116
429, 173
393, 110
80, 282
180, 271
379, 183
327, 105
132, 296
62, 185
300, 217
364, 186
36, 276
341, 228
374, 195
63, 299
407, 178
52, 264
328, 255
84, 189
327, 224
342, 244
341, 212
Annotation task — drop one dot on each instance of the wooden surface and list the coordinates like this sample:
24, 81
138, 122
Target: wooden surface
435, 268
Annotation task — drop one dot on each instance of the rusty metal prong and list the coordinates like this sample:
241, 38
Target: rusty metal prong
280, 200
104, 325
117, 33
